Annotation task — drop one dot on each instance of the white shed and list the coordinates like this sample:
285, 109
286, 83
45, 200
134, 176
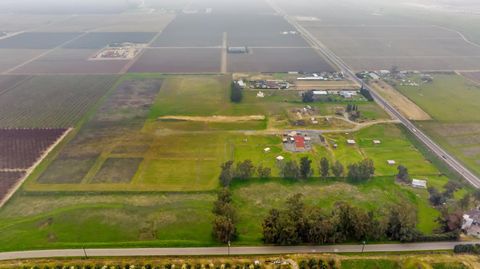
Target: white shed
351, 142
391, 162
280, 158
418, 183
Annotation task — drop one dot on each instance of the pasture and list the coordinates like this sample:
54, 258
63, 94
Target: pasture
144, 166
58, 221
451, 101
450, 98
254, 198
60, 101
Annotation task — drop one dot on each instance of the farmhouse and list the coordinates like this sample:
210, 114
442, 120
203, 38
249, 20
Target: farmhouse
299, 142
471, 223
418, 183
296, 142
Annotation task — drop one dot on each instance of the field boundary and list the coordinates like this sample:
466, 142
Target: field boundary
29, 171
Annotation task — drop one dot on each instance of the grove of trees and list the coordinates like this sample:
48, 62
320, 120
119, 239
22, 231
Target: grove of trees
298, 223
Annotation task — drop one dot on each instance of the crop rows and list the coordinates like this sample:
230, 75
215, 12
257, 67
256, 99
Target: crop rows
7, 181
51, 102
20, 148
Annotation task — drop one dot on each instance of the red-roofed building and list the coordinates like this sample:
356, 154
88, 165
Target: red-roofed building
299, 142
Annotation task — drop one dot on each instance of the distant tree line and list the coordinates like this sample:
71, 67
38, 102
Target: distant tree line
298, 223
223, 229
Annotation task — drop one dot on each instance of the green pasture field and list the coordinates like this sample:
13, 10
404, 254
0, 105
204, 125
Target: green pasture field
449, 98
141, 181
254, 198
37, 221
452, 102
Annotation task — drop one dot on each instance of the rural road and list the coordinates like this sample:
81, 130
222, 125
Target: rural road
432, 146
211, 251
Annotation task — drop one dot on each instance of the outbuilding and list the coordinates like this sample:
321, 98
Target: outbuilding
351, 142
391, 162
418, 183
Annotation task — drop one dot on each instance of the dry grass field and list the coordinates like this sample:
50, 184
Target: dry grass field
402, 103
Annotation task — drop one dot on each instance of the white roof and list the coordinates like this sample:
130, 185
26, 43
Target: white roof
320, 92
377, 141
419, 183
391, 162
266, 149
280, 158
351, 141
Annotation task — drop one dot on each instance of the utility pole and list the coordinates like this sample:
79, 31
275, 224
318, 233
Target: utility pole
85, 253
363, 247
228, 247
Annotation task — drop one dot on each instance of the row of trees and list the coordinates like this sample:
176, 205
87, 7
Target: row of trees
356, 172
224, 229
298, 223
242, 170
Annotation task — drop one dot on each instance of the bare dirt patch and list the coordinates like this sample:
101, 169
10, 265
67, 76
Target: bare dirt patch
213, 118
399, 101
331, 85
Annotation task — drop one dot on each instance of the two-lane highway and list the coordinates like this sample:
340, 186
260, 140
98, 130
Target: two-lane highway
224, 251
336, 61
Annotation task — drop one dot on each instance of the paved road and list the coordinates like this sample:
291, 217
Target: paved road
435, 148
211, 251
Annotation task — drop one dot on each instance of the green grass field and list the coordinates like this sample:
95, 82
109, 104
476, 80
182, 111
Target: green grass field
452, 102
142, 181
450, 98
